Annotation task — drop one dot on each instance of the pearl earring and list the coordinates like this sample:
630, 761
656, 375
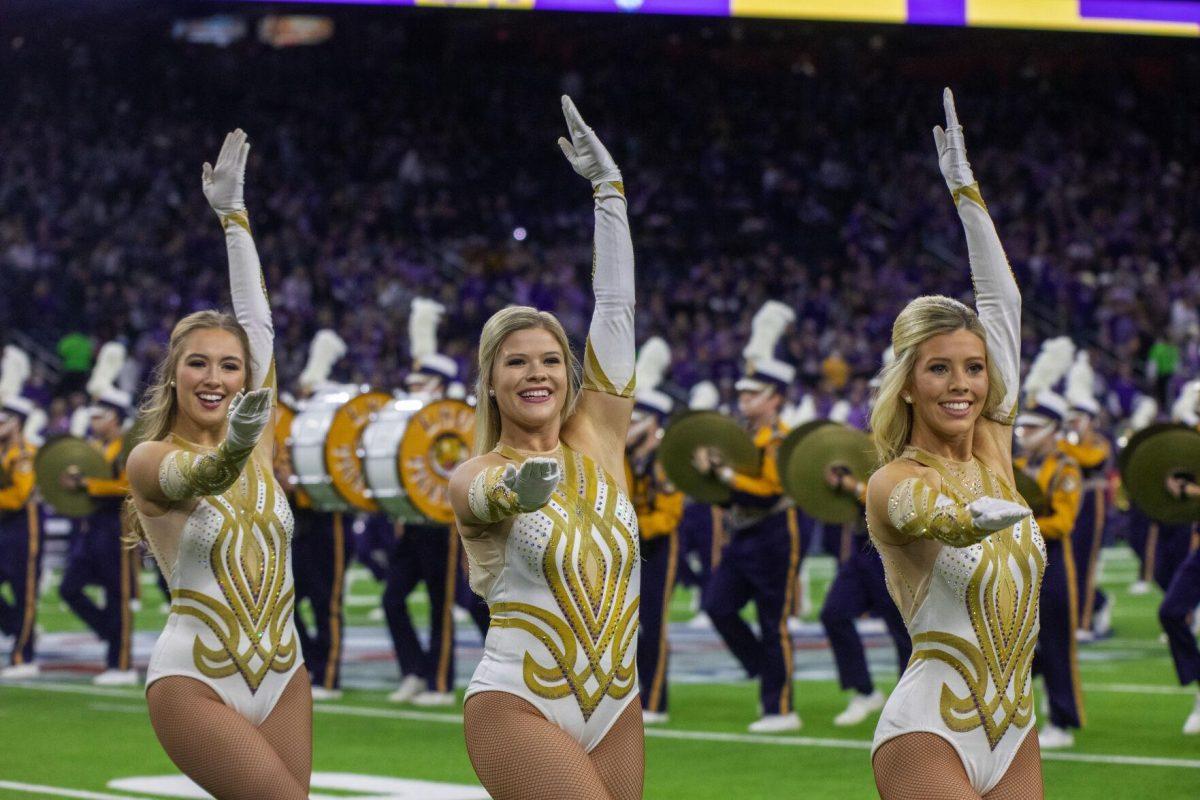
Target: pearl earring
908, 398
172, 382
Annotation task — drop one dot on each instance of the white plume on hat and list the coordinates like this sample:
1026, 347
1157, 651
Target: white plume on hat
15, 369
1051, 364
1144, 412
652, 361
766, 329
35, 424
840, 412
796, 415
326, 348
81, 420
423, 318
704, 396
1186, 408
1081, 384
109, 363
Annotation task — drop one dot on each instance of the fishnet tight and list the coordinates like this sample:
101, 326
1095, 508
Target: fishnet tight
923, 766
519, 755
219, 749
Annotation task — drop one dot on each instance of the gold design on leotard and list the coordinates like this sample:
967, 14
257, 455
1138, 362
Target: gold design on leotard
249, 560
1002, 602
587, 565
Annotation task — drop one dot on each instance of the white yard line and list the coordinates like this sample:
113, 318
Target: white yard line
59, 791
689, 735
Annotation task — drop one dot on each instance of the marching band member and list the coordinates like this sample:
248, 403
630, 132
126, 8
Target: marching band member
551, 535
20, 532
761, 561
227, 691
859, 587
1183, 591
702, 528
425, 552
659, 507
1091, 450
1140, 531
1037, 433
962, 558
98, 556
321, 545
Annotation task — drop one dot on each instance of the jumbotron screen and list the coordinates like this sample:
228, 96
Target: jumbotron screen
1160, 17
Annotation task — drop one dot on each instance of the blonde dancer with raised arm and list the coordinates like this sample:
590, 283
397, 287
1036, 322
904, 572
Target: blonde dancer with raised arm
962, 555
227, 690
551, 535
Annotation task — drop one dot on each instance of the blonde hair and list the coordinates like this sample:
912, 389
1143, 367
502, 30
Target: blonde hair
921, 320
156, 414
504, 322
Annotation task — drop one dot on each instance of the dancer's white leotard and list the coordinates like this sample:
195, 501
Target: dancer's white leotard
228, 564
563, 588
973, 635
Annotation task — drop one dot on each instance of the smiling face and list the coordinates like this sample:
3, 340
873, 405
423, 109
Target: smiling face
211, 371
529, 378
949, 384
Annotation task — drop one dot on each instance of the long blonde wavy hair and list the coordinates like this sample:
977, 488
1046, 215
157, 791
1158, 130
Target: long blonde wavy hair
504, 322
921, 320
160, 405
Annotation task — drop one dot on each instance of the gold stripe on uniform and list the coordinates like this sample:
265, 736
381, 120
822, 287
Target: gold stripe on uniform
1097, 540
1073, 616
785, 639
660, 674
30, 584
1151, 552
446, 646
334, 657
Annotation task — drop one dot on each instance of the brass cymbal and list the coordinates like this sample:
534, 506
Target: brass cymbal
1145, 433
831, 445
1158, 457
1028, 488
56, 457
711, 429
788, 445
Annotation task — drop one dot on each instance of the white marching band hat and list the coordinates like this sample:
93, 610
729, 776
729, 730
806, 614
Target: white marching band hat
763, 370
435, 364
764, 373
653, 358
15, 369
1047, 407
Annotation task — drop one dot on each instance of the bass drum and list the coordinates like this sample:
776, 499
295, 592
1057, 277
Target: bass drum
410, 450
325, 447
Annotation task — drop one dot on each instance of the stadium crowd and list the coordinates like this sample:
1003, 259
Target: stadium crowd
764, 161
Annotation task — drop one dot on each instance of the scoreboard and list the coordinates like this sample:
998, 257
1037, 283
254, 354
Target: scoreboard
1158, 17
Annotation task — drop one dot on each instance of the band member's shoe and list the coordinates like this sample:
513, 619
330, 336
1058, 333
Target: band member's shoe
861, 706
1192, 726
1051, 737
117, 677
20, 672
321, 693
434, 699
410, 687
776, 723
655, 717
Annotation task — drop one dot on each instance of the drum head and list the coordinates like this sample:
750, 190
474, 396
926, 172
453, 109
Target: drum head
438, 438
56, 457
342, 459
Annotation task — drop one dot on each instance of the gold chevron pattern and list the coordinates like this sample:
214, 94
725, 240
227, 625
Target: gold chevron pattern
1002, 597
249, 559
588, 562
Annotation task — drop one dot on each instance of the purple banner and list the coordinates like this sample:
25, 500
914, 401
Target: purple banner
937, 12
1148, 10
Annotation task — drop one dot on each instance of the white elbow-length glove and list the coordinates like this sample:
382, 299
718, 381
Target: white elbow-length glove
224, 184
995, 514
498, 493
185, 474
587, 154
952, 149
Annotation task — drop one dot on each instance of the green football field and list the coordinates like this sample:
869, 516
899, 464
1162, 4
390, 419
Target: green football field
62, 737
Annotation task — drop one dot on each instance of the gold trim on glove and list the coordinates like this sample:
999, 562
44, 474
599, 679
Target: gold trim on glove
184, 474
916, 509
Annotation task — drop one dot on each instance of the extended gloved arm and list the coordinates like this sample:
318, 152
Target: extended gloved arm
611, 353
997, 298
498, 493
185, 474
918, 510
223, 186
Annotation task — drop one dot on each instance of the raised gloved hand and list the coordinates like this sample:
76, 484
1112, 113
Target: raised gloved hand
952, 148
533, 482
249, 414
224, 183
585, 151
994, 514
